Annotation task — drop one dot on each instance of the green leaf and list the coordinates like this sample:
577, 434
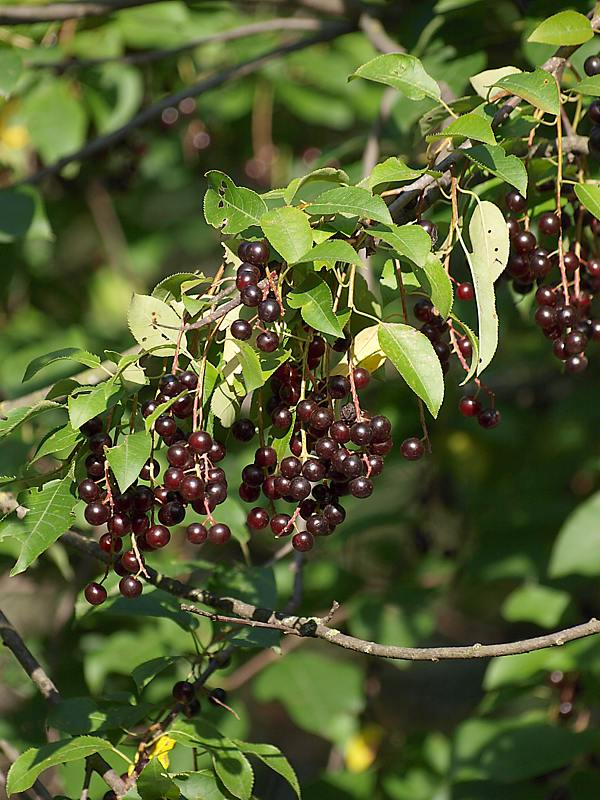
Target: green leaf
201, 786
53, 106
577, 547
495, 160
17, 416
327, 174
332, 251
154, 785
49, 515
67, 353
588, 195
315, 301
251, 369
229, 207
436, 282
490, 242
288, 230
392, 170
403, 72
127, 459
224, 404
538, 604
413, 355
589, 85
234, 770
63, 438
154, 324
321, 694
17, 210
85, 405
273, 758
564, 28
469, 126
11, 69
538, 88
144, 673
25, 770
352, 201
484, 81
471, 336
407, 240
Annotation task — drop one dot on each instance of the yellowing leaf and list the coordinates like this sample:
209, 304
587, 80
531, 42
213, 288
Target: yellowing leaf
361, 750
161, 750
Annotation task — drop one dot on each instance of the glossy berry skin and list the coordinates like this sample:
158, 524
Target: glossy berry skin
140, 524
200, 442
321, 419
110, 544
130, 587
258, 518
196, 533
469, 406
149, 407
430, 228
143, 499
317, 525
281, 417
245, 278
94, 466
183, 691
361, 433
338, 387
177, 455
267, 342
340, 432
545, 317
172, 478
192, 488
594, 112
313, 470
157, 536
299, 489
515, 202
549, 224
249, 493
591, 66
302, 541
243, 430
334, 514
545, 296
265, 457
465, 347
95, 594
412, 449
251, 296
119, 524
361, 487
241, 330
290, 467
165, 426
423, 310
325, 447
171, 513
280, 523
189, 379
217, 697
96, 514
575, 342
316, 349
150, 470
219, 533
256, 253
130, 562
268, 310
571, 261
88, 490
576, 364
465, 291
362, 377
525, 242
489, 418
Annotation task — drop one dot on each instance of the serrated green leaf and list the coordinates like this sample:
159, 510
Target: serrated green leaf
154, 324
315, 301
25, 770
332, 251
351, 201
564, 28
288, 230
63, 438
235, 772
328, 174
201, 785
401, 71
153, 784
49, 515
229, 207
17, 416
576, 550
494, 159
127, 459
251, 369
490, 244
588, 195
436, 282
11, 69
85, 405
415, 359
66, 354
274, 759
539, 88
410, 241
392, 170
469, 126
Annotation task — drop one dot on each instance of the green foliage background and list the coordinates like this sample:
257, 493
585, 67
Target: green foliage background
465, 546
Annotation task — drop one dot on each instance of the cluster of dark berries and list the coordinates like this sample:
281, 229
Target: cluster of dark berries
184, 693
470, 406
437, 330
566, 283
251, 272
591, 67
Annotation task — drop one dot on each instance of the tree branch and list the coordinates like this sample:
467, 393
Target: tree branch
56, 12
239, 612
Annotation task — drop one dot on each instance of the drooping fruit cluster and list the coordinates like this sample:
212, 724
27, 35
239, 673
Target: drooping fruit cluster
566, 281
253, 271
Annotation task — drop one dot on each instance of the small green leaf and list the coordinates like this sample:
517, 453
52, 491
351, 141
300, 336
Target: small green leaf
413, 355
327, 174
332, 251
494, 159
144, 673
436, 282
154, 785
68, 354
576, 550
564, 28
17, 416
588, 195
63, 438
273, 758
589, 86
49, 514
403, 72
469, 126
490, 242
484, 81
315, 301
234, 770
25, 770
127, 459
154, 324
229, 207
538, 88
392, 170
407, 240
541, 605
251, 369
288, 230
11, 69
85, 405
352, 201
53, 106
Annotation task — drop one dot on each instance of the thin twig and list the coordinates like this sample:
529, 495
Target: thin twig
55, 12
